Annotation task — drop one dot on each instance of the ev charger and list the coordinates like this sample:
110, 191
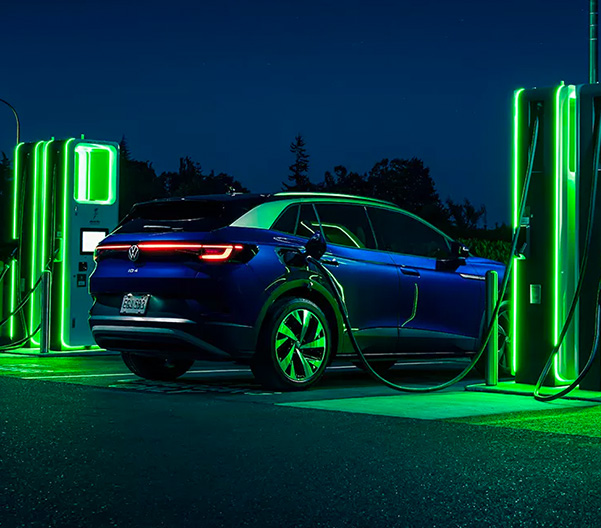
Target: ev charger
545, 272
65, 202
554, 234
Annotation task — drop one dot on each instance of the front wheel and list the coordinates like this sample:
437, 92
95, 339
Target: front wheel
504, 341
294, 347
154, 368
503, 344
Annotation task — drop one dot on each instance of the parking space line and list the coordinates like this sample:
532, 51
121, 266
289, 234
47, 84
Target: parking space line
214, 371
129, 374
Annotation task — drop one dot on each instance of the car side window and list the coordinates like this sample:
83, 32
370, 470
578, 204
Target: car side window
308, 224
400, 233
346, 225
286, 223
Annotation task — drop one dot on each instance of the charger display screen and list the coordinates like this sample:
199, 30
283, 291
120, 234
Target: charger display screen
90, 238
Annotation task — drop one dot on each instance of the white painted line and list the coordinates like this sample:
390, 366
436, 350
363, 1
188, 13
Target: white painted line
216, 371
130, 374
80, 376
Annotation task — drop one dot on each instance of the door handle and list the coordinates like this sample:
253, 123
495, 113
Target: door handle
330, 262
409, 271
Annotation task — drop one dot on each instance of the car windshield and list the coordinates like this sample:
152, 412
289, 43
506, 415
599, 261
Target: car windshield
187, 215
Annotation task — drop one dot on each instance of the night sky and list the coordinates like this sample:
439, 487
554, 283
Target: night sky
230, 83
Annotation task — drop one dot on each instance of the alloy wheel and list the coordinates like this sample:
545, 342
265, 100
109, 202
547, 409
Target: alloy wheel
504, 341
300, 345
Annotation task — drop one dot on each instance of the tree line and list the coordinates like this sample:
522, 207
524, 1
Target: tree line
406, 182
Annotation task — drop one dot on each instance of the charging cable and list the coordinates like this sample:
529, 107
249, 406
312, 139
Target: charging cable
327, 274
583, 265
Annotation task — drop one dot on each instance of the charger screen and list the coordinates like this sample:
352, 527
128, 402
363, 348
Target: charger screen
90, 239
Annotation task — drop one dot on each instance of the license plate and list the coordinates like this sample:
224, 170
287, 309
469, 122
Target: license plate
134, 304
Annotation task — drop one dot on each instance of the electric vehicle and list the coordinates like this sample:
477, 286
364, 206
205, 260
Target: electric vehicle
215, 278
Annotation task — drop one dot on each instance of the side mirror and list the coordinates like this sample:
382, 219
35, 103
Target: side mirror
316, 246
458, 250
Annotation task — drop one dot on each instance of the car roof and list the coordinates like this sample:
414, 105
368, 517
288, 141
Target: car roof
308, 195
259, 198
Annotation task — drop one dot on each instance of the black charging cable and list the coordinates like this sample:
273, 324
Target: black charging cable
583, 266
327, 274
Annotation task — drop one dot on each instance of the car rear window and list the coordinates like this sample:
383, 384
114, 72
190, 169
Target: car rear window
186, 215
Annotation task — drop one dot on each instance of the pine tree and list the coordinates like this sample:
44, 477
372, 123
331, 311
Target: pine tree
6, 178
138, 181
124, 152
300, 168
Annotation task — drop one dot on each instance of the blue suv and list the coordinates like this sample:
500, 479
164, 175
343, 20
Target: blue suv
206, 277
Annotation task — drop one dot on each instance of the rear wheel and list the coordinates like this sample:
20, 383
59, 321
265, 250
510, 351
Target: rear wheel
295, 346
154, 368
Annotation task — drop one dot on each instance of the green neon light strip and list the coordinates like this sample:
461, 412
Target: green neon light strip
558, 213
43, 199
65, 250
559, 222
33, 276
516, 225
85, 165
43, 256
13, 271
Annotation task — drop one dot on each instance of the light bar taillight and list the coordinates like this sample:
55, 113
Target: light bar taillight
213, 252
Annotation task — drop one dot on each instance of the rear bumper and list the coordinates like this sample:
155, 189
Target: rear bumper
173, 337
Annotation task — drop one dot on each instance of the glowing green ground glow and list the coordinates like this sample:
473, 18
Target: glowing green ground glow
575, 422
435, 406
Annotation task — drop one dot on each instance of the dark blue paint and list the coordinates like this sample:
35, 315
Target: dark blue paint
227, 301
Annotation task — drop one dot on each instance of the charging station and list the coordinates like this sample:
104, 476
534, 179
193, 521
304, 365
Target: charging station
545, 271
589, 128
64, 203
555, 150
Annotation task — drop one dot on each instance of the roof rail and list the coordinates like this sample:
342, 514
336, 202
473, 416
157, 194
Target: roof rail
332, 195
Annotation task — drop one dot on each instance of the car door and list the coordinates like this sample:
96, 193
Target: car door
368, 277
447, 300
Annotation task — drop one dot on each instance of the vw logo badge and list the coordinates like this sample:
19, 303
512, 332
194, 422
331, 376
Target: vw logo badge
133, 253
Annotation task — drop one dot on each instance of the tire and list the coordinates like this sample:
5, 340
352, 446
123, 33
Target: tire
284, 361
154, 368
379, 366
503, 344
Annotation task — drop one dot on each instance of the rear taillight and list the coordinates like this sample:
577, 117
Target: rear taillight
207, 252
110, 247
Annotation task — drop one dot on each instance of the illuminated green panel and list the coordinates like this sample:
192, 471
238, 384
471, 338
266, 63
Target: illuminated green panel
558, 212
45, 199
572, 132
551, 205
563, 214
65, 246
33, 274
516, 225
15, 220
95, 173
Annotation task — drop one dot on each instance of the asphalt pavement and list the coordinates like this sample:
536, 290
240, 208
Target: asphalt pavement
105, 449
